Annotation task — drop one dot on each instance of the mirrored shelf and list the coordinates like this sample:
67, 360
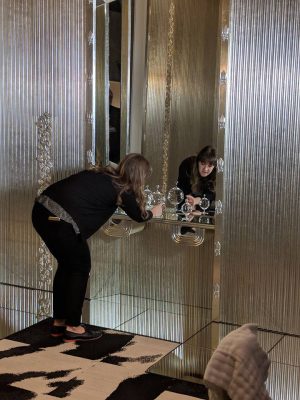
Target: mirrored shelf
198, 221
189, 232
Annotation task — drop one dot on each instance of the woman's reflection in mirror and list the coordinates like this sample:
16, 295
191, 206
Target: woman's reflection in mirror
197, 177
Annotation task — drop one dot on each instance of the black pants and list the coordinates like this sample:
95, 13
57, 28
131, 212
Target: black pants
74, 264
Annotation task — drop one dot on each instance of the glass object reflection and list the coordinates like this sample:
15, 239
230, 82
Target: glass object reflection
148, 197
204, 204
187, 209
158, 196
175, 196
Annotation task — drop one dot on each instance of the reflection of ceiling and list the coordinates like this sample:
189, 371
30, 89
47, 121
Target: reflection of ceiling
117, 3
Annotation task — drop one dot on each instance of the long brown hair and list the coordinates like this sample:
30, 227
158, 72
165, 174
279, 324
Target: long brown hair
130, 175
198, 183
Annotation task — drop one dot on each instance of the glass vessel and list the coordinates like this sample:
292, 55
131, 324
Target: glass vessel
186, 208
204, 204
148, 197
158, 197
175, 196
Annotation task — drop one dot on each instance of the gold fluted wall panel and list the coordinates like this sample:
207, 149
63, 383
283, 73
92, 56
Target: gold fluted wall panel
147, 284
175, 282
105, 275
43, 68
260, 272
153, 266
181, 82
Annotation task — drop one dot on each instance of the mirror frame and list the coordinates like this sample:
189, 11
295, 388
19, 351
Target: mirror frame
101, 95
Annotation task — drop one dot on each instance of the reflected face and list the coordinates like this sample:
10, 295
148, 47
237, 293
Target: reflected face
205, 168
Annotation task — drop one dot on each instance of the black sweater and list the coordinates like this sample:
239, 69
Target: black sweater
90, 198
184, 181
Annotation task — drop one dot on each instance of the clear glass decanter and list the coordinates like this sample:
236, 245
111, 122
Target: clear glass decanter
186, 208
158, 197
175, 196
148, 197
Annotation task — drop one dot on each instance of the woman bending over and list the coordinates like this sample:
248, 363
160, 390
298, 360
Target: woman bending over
67, 213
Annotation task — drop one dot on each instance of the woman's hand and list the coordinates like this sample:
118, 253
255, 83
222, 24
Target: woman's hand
193, 200
157, 210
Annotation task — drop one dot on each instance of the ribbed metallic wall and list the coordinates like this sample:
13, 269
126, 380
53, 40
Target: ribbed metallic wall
43, 67
175, 273
174, 280
260, 254
147, 284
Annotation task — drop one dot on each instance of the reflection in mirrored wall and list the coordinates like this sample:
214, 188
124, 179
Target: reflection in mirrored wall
173, 81
166, 288
182, 116
181, 98
112, 83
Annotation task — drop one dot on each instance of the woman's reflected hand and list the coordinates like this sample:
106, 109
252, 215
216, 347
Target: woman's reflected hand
193, 200
158, 210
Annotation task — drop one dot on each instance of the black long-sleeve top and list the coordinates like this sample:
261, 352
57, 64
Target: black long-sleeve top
184, 182
90, 198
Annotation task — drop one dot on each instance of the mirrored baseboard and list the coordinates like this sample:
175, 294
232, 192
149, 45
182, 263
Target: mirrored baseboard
188, 361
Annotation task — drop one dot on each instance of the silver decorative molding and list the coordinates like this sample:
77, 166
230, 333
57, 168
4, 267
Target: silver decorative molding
45, 280
225, 34
45, 166
222, 122
219, 207
217, 248
91, 38
90, 159
216, 290
90, 118
44, 156
223, 78
220, 165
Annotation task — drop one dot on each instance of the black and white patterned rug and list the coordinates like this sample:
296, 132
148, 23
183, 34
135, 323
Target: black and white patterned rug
33, 365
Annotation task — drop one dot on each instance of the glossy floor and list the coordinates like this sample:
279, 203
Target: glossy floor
191, 330
33, 365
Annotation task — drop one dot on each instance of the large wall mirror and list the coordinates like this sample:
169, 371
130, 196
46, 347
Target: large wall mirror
182, 84
181, 100
179, 109
178, 92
